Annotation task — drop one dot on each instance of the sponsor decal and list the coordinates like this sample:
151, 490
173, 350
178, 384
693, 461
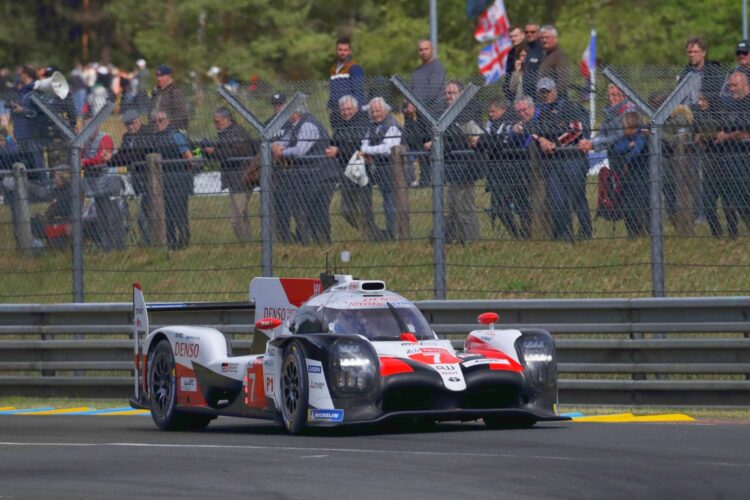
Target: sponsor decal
281, 313
454, 379
188, 384
317, 385
269, 385
230, 367
186, 350
325, 415
315, 369
487, 361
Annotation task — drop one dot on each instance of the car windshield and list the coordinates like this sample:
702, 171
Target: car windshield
386, 323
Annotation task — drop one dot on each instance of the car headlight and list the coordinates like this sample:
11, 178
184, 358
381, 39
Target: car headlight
537, 353
353, 366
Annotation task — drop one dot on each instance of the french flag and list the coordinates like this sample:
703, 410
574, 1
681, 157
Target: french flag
492, 23
588, 61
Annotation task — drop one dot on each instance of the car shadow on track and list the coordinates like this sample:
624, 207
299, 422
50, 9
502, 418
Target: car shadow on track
387, 428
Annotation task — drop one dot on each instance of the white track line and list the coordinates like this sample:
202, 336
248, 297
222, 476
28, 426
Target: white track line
370, 451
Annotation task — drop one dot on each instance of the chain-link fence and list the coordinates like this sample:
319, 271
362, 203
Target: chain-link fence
447, 190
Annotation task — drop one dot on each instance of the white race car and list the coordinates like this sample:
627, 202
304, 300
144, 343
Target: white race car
341, 351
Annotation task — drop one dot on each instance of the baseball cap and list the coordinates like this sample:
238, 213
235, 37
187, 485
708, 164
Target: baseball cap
545, 84
278, 99
130, 115
163, 69
743, 46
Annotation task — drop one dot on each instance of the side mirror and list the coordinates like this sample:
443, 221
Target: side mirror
488, 318
268, 325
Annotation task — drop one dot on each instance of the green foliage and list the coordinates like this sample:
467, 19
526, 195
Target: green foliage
294, 39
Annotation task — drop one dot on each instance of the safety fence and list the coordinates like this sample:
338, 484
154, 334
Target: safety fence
692, 351
444, 190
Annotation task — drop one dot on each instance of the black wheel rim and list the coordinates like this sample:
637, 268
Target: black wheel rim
291, 387
161, 383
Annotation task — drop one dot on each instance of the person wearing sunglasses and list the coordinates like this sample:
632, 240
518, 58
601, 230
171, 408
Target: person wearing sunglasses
534, 58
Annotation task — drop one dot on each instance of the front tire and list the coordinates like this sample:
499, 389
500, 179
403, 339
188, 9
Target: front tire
294, 389
162, 384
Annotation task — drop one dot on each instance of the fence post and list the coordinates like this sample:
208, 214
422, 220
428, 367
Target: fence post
401, 187
267, 134
22, 226
439, 126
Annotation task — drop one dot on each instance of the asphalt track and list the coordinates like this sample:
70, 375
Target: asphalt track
126, 457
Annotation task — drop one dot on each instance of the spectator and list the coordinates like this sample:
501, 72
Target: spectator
561, 125
9, 156
517, 41
610, 130
178, 179
630, 161
732, 142
28, 127
716, 181
508, 176
78, 88
136, 144
168, 97
534, 58
304, 185
108, 231
710, 72
462, 223
234, 150
742, 54
556, 64
515, 88
680, 178
53, 227
356, 200
428, 83
346, 78
415, 136
383, 133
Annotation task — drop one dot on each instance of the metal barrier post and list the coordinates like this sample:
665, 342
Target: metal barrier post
439, 126
22, 225
267, 133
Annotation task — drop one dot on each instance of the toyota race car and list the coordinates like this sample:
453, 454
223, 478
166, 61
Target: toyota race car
352, 353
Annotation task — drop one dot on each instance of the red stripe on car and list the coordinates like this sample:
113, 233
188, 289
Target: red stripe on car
392, 366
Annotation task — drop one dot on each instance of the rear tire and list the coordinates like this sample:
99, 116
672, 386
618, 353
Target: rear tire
294, 389
496, 422
162, 385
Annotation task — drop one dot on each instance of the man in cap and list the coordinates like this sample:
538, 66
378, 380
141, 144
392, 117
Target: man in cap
234, 150
562, 124
167, 97
136, 144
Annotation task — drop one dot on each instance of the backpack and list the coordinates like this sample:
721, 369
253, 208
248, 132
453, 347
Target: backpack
608, 203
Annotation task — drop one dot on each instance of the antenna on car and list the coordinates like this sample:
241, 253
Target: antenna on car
326, 278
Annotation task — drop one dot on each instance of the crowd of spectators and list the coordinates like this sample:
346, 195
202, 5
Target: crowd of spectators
530, 146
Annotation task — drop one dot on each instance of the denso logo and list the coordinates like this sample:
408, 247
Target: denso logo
185, 350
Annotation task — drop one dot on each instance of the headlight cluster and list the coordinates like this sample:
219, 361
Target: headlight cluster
538, 355
354, 366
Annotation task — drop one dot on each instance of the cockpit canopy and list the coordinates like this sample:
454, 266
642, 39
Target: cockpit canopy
386, 322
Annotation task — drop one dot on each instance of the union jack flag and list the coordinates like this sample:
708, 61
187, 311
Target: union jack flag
492, 59
492, 23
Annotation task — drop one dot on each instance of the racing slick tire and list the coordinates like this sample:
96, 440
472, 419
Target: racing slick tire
162, 384
294, 389
496, 422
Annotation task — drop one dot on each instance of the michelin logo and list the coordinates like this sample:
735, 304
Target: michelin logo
325, 415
